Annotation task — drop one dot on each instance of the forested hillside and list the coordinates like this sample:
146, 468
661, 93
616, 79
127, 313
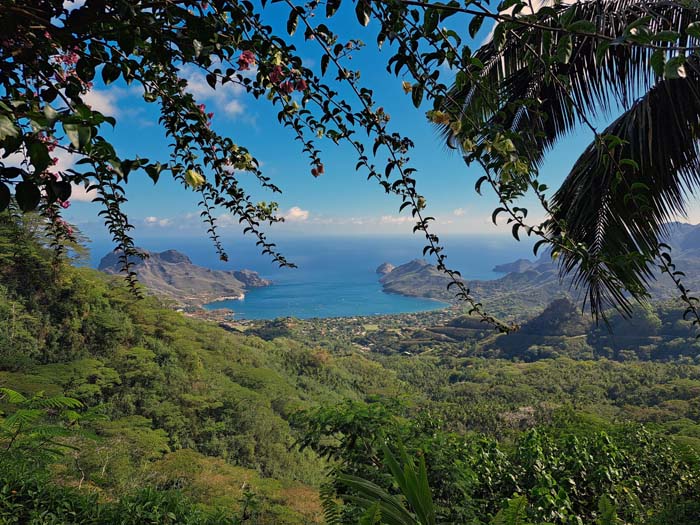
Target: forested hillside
166, 400
119, 410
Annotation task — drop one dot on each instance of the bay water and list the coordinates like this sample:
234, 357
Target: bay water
335, 277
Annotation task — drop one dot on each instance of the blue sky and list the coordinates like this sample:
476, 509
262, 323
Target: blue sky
341, 202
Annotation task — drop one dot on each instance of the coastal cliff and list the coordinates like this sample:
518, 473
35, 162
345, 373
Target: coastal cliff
173, 275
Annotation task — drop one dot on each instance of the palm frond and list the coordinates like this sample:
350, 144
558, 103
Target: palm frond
618, 203
514, 73
413, 485
392, 509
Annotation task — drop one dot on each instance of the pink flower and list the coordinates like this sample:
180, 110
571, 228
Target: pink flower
210, 115
286, 87
202, 108
246, 60
65, 204
301, 85
276, 75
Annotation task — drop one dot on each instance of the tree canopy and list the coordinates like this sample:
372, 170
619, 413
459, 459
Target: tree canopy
543, 71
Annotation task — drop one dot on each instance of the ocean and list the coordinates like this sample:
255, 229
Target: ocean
336, 276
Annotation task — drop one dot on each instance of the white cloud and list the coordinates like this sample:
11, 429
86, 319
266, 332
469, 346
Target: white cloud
64, 159
80, 194
156, 221
393, 219
459, 212
104, 101
225, 98
296, 214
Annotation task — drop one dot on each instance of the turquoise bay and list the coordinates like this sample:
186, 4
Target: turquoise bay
307, 299
336, 276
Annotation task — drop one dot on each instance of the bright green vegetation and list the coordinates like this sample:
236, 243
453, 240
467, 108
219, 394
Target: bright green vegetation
118, 410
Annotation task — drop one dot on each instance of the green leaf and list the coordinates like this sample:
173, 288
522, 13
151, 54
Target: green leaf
51, 114
362, 12
4, 196
516, 227
582, 26
564, 50
372, 516
658, 61
665, 36
27, 195
475, 24
417, 94
7, 128
79, 135
12, 396
197, 45
675, 68
495, 213
331, 7
693, 30
110, 73
39, 156
601, 50
292, 21
430, 21
61, 189
515, 513
10, 172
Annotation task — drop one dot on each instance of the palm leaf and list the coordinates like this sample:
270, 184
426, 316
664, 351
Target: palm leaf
618, 216
514, 73
621, 214
392, 509
412, 483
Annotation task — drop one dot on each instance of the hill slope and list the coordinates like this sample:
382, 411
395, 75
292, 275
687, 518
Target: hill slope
172, 275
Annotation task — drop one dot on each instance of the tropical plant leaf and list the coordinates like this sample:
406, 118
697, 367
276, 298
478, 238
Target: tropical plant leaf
619, 228
515, 513
11, 396
619, 204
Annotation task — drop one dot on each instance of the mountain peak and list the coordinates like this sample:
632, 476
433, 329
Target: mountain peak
173, 257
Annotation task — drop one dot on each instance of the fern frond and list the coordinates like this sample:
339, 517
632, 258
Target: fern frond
21, 418
515, 513
56, 402
373, 515
608, 512
331, 508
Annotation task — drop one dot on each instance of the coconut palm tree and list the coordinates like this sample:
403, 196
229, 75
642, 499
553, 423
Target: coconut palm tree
571, 65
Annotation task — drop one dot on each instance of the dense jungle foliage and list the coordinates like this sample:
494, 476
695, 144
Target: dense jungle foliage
118, 410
